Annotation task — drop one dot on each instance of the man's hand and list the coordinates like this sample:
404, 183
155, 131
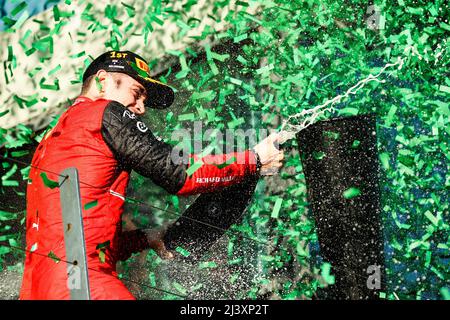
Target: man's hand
272, 167
269, 154
155, 239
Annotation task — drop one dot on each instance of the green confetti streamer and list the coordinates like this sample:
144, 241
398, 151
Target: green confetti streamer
226, 163
428, 259
33, 72
176, 202
235, 81
23, 17
230, 248
187, 116
276, 208
445, 89
99, 84
445, 292
102, 256
54, 87
331, 135
384, 158
103, 245
207, 265
54, 257
398, 223
431, 217
182, 251
235, 261
318, 155
240, 38
56, 13
152, 278
207, 95
47, 182
191, 170
4, 113
18, 154
235, 123
234, 277
180, 288
4, 250
6, 176
326, 268
53, 71
351, 193
90, 205
349, 111
265, 69
213, 67
78, 55
356, 144
102, 250
444, 26
390, 116
196, 287
10, 183
5, 216
242, 3
19, 8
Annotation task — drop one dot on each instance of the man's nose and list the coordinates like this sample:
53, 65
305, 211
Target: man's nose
139, 106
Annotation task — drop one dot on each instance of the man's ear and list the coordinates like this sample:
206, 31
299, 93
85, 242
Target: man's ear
100, 79
101, 75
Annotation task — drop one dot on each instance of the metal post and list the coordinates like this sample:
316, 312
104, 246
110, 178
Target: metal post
77, 273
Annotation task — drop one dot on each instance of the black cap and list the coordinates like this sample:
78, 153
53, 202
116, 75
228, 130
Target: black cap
159, 95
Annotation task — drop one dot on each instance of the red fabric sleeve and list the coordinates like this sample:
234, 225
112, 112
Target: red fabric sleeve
219, 171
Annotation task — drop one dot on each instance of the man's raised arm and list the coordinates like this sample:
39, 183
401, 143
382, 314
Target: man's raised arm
134, 145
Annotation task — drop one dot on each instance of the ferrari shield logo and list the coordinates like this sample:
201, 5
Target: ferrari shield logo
142, 65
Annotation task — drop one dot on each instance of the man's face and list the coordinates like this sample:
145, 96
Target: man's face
124, 89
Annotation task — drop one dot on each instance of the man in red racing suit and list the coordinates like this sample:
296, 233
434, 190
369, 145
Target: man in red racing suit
104, 137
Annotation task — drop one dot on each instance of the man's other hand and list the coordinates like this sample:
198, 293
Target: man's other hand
155, 239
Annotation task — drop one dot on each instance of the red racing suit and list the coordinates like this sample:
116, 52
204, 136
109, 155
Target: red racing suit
104, 141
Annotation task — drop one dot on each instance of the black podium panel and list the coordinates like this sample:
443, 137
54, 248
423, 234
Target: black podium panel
340, 162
